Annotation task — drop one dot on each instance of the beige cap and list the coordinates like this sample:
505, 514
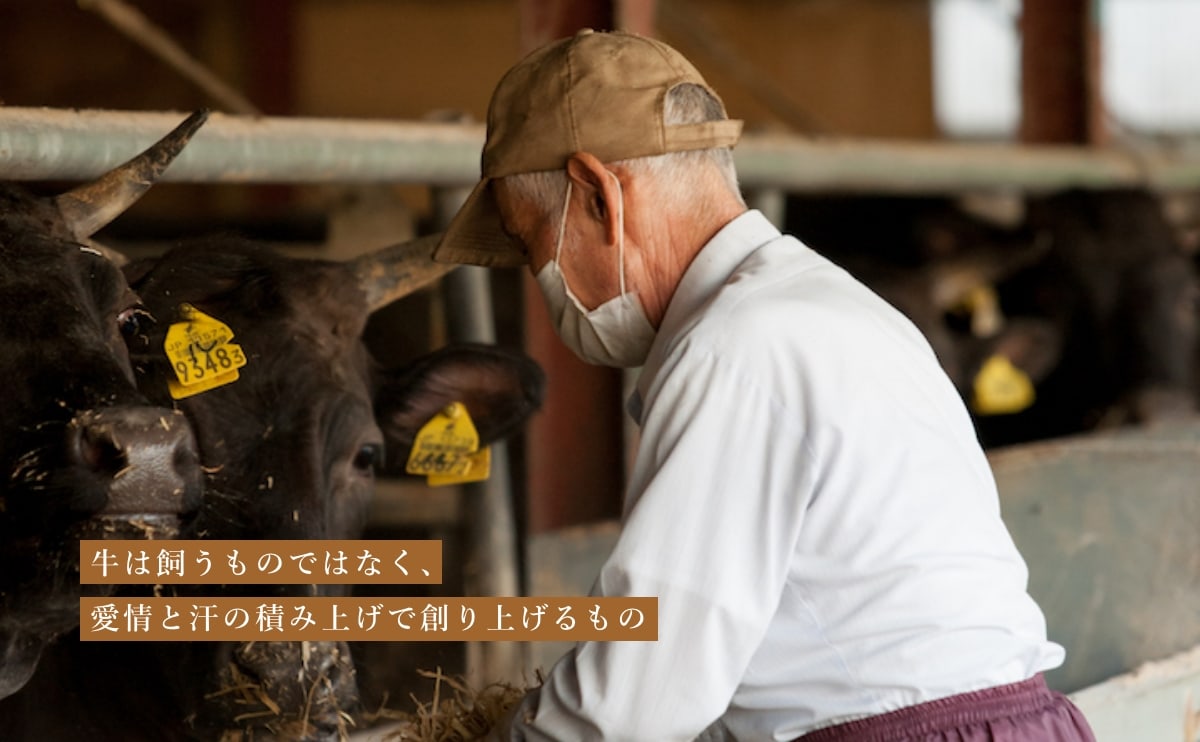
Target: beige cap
600, 93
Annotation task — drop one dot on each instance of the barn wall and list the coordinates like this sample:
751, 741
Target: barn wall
855, 67
52, 53
858, 67
56, 54
401, 58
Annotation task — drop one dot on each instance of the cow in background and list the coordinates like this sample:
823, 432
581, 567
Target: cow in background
1086, 297
940, 265
1118, 284
290, 450
82, 453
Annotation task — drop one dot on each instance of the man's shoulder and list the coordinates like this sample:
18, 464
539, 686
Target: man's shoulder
753, 327
780, 290
787, 311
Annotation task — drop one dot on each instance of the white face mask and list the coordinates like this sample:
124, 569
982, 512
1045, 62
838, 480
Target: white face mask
616, 333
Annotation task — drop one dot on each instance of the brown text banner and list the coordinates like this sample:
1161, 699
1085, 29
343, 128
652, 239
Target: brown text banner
250, 562
369, 619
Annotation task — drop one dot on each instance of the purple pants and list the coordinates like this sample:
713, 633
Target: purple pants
1027, 711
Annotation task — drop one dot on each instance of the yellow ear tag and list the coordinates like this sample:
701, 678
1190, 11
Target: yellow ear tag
479, 468
444, 445
201, 353
1001, 388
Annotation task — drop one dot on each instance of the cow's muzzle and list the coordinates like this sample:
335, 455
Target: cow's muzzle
147, 461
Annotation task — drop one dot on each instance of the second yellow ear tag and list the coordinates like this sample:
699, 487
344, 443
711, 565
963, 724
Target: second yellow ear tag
1001, 388
201, 353
446, 449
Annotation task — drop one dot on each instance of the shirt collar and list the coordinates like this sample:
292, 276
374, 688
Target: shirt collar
709, 270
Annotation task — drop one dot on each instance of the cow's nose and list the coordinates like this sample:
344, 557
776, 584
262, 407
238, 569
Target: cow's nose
147, 456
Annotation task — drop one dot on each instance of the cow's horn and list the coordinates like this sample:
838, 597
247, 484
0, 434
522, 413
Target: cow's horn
396, 271
89, 207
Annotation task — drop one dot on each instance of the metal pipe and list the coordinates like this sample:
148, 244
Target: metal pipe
56, 144
797, 164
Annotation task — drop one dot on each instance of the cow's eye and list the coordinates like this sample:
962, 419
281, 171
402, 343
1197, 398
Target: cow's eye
135, 321
368, 457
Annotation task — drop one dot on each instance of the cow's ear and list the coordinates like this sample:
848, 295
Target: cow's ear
500, 389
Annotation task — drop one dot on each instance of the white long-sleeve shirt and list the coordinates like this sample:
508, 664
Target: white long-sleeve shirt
812, 509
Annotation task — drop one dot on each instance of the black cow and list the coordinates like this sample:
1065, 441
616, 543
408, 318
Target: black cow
1118, 285
290, 451
82, 453
1089, 298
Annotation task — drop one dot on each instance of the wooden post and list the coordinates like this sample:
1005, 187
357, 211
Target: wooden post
272, 85
1061, 101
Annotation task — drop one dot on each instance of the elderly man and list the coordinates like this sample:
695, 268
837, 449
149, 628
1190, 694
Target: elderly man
809, 501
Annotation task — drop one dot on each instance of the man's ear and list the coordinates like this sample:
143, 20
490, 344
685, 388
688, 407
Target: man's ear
500, 388
598, 185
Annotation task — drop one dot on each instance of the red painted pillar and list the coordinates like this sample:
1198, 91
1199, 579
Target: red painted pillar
574, 459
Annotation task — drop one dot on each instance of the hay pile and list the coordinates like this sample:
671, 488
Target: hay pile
299, 703
457, 713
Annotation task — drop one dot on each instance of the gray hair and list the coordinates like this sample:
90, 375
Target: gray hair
676, 172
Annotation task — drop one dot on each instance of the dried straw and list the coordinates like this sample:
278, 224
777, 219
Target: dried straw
465, 716
265, 713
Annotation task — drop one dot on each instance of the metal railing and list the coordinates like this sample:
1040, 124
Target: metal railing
60, 144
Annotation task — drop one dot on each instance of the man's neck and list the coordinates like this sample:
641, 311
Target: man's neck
678, 239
